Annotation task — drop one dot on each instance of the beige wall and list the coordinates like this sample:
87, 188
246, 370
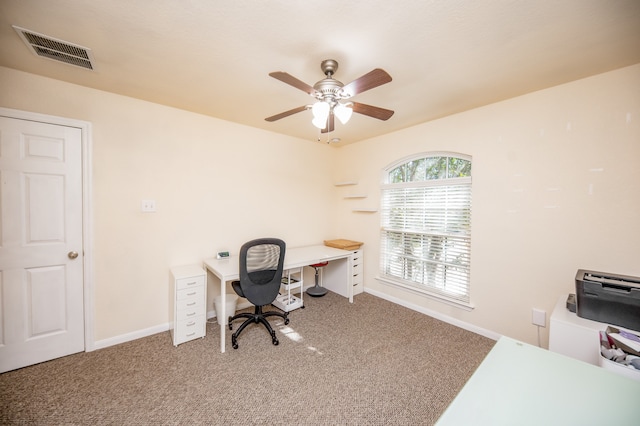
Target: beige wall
535, 221
556, 187
216, 185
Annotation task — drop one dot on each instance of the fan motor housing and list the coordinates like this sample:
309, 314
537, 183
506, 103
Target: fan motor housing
328, 88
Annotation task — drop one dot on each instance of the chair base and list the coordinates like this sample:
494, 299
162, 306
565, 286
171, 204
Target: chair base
257, 317
317, 291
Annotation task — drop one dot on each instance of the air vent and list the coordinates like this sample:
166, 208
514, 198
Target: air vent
57, 50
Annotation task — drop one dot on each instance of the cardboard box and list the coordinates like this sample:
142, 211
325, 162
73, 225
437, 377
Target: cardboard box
343, 244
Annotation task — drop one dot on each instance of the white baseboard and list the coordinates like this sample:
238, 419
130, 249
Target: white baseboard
105, 343
100, 344
437, 315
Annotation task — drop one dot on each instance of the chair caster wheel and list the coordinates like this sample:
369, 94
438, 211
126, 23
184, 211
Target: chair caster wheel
234, 342
275, 342
230, 326
286, 321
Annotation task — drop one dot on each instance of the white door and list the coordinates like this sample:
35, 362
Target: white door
41, 266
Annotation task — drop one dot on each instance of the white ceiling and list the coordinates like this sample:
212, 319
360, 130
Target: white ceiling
213, 56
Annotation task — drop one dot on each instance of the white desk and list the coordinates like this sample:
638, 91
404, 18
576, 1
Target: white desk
521, 384
228, 270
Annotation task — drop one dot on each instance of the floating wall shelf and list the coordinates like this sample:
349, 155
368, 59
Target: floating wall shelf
345, 183
356, 196
365, 210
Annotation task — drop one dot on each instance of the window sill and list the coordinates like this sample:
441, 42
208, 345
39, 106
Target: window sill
467, 306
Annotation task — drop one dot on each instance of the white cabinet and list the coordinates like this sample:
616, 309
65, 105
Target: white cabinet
333, 274
292, 282
358, 282
579, 338
574, 336
187, 303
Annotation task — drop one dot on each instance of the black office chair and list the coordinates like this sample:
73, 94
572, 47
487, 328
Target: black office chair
261, 263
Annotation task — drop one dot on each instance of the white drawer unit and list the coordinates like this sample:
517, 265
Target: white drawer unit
333, 274
358, 281
187, 303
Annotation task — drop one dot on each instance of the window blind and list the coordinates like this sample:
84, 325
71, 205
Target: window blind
426, 235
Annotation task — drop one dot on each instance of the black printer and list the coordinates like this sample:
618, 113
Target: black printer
609, 298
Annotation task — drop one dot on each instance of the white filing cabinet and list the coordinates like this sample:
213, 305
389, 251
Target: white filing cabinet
187, 303
358, 281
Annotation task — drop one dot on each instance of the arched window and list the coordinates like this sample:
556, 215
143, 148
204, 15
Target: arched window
426, 225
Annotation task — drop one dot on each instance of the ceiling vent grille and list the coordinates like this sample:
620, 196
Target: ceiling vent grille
57, 50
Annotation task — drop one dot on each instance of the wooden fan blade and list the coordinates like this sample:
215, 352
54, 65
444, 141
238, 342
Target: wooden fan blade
375, 78
286, 113
372, 111
330, 125
292, 81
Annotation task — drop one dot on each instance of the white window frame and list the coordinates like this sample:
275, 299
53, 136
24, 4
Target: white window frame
451, 239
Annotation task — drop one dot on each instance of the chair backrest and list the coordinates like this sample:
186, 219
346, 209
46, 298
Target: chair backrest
261, 263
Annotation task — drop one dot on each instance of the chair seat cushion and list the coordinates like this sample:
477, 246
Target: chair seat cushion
319, 265
236, 287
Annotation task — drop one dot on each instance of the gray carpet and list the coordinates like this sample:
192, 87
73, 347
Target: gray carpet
371, 362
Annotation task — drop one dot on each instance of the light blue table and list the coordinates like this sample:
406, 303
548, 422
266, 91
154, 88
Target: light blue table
521, 384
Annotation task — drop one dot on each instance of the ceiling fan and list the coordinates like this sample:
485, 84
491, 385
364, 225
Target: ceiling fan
329, 92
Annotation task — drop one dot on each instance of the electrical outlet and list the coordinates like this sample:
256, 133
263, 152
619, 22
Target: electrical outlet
539, 317
148, 206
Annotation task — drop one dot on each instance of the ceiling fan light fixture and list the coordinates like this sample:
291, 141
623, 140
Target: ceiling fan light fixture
321, 110
319, 122
328, 93
343, 112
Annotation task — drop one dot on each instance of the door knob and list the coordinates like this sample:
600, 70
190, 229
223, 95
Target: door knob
72, 254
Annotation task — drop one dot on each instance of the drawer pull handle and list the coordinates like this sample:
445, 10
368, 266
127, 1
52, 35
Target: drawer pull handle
192, 283
191, 314
191, 324
191, 304
191, 334
355, 258
192, 294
